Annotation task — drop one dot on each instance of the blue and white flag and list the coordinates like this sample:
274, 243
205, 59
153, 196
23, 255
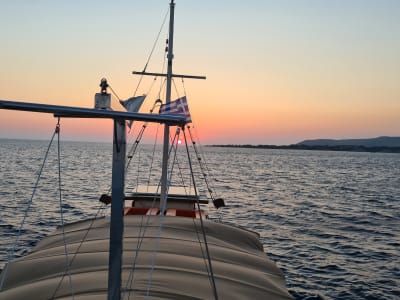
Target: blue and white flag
178, 106
132, 105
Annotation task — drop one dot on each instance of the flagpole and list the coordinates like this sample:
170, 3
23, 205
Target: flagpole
170, 56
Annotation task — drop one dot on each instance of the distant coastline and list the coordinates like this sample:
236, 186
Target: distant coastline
379, 144
299, 146
319, 148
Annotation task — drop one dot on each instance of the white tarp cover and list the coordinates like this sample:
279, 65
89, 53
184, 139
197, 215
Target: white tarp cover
241, 268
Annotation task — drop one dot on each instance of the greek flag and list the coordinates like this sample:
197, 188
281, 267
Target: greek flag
178, 106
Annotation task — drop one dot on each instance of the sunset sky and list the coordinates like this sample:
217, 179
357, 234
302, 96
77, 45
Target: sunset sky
278, 72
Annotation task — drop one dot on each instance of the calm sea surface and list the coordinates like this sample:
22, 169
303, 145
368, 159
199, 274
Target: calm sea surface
331, 220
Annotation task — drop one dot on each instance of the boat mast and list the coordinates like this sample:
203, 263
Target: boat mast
169, 75
170, 56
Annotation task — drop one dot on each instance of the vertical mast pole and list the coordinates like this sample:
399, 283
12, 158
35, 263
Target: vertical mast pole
117, 209
170, 56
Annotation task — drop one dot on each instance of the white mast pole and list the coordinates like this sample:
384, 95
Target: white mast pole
170, 56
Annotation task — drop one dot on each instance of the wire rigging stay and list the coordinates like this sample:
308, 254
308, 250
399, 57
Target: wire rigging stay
29, 205
151, 52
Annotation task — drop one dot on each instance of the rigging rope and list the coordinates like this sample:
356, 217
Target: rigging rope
202, 251
183, 85
162, 85
202, 156
176, 89
152, 156
157, 242
151, 52
138, 170
67, 261
133, 149
130, 280
174, 146
214, 287
151, 86
141, 236
164, 81
203, 165
115, 94
12, 253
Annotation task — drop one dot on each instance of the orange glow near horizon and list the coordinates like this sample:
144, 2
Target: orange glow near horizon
281, 76
223, 122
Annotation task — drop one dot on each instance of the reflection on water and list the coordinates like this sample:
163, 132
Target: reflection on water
331, 220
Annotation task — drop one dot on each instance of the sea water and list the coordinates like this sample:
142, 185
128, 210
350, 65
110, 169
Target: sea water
330, 220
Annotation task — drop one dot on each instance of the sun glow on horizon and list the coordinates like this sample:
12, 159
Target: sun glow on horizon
288, 72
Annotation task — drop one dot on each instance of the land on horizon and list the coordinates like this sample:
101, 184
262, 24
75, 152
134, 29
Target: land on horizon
378, 144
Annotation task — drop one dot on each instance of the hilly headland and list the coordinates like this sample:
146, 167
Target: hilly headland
384, 144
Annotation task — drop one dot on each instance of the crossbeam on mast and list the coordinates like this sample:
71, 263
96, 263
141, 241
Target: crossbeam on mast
165, 75
80, 112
